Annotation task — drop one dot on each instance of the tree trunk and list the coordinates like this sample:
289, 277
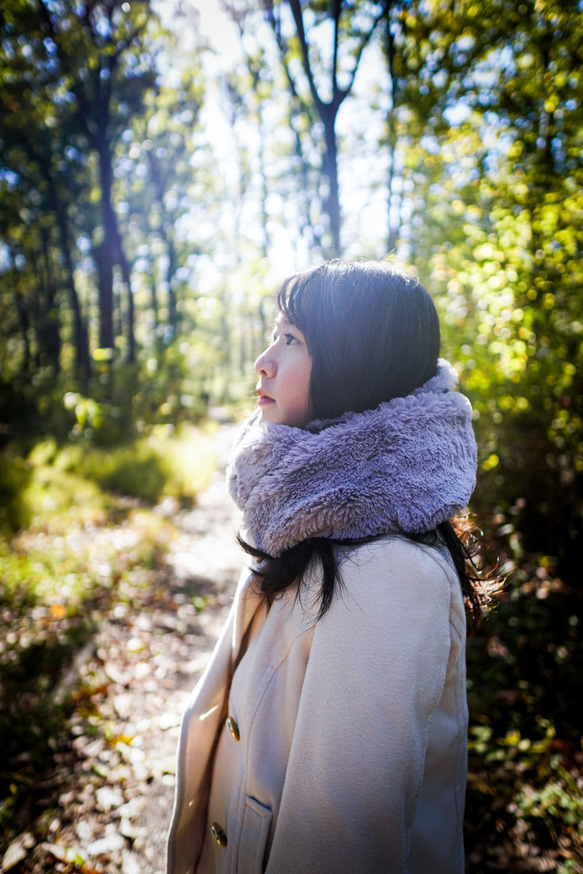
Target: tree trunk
80, 336
130, 321
105, 252
393, 228
330, 169
112, 254
104, 262
48, 310
171, 285
81, 340
24, 323
153, 295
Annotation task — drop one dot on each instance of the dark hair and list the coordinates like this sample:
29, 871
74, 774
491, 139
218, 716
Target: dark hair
371, 328
373, 333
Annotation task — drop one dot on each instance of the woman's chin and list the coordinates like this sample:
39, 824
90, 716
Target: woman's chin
268, 414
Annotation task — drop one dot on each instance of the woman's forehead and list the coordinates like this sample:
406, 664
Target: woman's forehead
282, 321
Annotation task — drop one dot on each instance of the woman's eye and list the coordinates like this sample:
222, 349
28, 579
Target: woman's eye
289, 339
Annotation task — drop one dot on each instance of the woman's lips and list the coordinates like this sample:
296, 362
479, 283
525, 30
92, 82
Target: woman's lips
263, 400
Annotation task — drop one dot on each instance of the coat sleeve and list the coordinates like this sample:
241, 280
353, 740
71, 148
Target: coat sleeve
374, 678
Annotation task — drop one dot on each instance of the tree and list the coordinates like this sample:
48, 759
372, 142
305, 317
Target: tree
320, 73
163, 144
106, 70
494, 158
33, 147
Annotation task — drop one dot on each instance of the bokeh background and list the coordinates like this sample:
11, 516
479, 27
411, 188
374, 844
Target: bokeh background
162, 167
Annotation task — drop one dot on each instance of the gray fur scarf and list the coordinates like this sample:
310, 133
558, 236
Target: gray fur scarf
401, 468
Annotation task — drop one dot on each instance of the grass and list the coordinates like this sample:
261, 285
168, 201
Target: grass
79, 532
176, 465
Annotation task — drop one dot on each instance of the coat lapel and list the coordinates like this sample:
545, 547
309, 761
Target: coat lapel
246, 602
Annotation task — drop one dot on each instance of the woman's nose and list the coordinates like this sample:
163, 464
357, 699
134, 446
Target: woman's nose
265, 364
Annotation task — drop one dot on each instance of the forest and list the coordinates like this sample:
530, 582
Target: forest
159, 175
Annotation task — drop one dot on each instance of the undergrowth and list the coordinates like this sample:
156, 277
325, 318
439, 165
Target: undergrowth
524, 807
79, 533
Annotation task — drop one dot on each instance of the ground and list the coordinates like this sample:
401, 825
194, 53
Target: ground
113, 811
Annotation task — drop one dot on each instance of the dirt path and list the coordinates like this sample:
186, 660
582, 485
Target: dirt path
137, 674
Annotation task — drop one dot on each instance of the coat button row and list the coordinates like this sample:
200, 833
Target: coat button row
233, 728
219, 834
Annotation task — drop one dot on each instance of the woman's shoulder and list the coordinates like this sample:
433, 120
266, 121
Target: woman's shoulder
389, 570
397, 554
392, 592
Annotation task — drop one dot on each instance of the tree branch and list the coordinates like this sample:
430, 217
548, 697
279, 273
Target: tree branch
296, 9
344, 92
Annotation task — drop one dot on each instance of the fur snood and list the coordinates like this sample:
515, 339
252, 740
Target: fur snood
401, 468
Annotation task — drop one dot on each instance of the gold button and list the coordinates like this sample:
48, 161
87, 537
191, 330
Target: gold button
233, 728
219, 834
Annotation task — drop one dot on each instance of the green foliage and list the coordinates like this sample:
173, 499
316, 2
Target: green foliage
525, 669
477, 120
82, 550
163, 464
137, 470
15, 474
499, 234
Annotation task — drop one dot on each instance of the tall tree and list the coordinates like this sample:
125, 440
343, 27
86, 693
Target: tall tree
34, 141
320, 46
156, 179
497, 170
107, 69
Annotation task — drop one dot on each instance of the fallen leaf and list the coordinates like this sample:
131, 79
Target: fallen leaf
121, 739
88, 692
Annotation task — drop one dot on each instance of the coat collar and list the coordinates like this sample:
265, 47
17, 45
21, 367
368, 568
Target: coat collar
246, 602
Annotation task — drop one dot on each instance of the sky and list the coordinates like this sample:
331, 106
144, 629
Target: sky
362, 180
211, 22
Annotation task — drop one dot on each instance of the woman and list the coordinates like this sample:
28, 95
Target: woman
328, 733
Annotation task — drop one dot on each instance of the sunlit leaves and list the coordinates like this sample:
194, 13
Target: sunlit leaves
497, 231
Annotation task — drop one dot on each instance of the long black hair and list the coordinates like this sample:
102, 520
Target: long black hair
372, 331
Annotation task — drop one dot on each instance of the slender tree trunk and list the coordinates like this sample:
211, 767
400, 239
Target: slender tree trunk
264, 183
393, 227
105, 256
154, 295
330, 168
104, 264
80, 335
24, 323
114, 255
166, 231
38, 305
49, 312
171, 284
82, 356
130, 322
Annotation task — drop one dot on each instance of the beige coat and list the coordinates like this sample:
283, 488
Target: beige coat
345, 750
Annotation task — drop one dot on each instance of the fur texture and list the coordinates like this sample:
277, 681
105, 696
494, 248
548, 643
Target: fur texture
401, 468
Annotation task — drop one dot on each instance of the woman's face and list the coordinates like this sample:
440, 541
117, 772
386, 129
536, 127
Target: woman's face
284, 371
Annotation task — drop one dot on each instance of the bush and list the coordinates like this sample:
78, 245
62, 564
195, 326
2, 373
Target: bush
164, 464
15, 476
136, 471
525, 686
